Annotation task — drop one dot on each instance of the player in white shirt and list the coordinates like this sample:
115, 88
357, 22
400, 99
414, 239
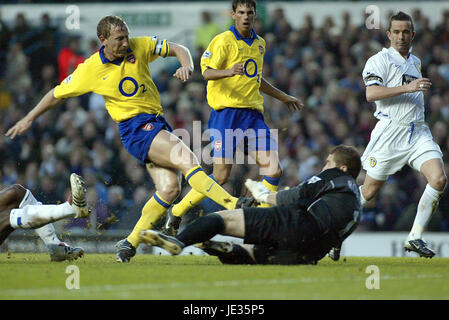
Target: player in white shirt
19, 209
394, 81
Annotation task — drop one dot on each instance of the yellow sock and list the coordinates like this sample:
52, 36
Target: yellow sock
204, 184
153, 210
189, 201
272, 185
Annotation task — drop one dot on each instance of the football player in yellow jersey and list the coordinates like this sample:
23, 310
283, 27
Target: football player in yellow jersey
120, 72
232, 65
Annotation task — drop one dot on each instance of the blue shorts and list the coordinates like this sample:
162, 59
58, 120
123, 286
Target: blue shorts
237, 127
138, 133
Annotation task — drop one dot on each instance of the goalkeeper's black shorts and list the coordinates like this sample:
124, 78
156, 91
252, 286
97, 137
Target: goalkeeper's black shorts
280, 227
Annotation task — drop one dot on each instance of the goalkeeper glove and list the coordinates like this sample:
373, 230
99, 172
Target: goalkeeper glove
258, 190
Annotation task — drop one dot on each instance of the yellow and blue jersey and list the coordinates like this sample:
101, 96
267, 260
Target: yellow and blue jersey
239, 91
125, 83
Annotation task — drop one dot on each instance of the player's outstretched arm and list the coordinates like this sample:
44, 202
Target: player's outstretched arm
185, 58
215, 74
46, 103
376, 92
291, 102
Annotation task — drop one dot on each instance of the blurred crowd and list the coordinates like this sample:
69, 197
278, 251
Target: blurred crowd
319, 64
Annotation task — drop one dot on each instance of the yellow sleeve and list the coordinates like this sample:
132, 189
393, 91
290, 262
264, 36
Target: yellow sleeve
76, 84
157, 48
214, 55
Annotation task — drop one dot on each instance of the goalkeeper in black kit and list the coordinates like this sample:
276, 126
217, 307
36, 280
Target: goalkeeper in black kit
302, 226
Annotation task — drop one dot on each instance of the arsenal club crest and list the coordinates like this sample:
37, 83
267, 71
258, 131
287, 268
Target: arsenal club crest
218, 145
131, 58
261, 49
148, 127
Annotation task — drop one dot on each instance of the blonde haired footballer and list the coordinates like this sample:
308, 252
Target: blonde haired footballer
119, 72
232, 65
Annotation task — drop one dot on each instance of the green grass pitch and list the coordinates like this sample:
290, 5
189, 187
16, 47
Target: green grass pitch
33, 276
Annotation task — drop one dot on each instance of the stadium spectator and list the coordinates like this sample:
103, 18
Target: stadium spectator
69, 57
5, 36
45, 39
21, 31
17, 72
206, 31
116, 208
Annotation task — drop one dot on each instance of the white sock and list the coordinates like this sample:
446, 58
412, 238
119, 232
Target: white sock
48, 234
36, 216
362, 198
426, 207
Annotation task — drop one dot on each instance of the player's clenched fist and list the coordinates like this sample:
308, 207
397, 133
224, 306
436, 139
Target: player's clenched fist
422, 84
237, 69
183, 73
258, 190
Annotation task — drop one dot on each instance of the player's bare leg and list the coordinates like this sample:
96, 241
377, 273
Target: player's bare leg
168, 186
433, 170
10, 198
169, 151
268, 162
221, 173
221, 170
234, 222
5, 226
269, 169
370, 188
434, 173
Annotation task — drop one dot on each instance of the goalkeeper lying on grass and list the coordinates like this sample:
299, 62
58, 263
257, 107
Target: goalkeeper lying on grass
303, 225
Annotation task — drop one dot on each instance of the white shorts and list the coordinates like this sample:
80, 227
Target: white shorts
393, 145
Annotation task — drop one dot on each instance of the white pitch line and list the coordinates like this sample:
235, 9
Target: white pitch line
123, 290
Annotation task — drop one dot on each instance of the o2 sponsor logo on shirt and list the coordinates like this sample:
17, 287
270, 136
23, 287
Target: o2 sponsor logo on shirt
129, 86
250, 69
